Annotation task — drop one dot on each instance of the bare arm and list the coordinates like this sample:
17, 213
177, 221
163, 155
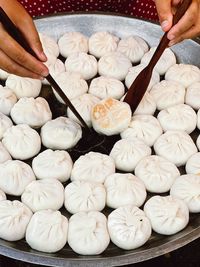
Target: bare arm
13, 58
187, 27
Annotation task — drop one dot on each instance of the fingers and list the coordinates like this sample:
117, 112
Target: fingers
11, 66
13, 50
164, 9
187, 27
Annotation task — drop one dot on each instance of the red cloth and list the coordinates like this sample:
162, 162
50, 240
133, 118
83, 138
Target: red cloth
139, 8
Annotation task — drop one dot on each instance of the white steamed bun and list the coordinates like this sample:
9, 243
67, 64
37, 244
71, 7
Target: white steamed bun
7, 100
193, 164
55, 68
49, 45
2, 195
5, 124
4, 155
193, 95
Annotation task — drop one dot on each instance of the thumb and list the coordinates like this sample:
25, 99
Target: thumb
164, 9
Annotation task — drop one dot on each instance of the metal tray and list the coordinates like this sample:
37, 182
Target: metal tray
187, 52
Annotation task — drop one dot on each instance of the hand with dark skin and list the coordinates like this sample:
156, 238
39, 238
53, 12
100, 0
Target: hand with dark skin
13, 58
188, 26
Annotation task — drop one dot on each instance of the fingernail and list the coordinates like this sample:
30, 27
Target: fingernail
164, 24
45, 73
43, 56
170, 36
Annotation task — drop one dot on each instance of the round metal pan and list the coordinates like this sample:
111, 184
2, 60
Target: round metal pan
187, 52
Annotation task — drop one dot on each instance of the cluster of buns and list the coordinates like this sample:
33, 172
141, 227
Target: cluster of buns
95, 73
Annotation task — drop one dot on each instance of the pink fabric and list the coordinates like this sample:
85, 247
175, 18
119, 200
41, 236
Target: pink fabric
139, 8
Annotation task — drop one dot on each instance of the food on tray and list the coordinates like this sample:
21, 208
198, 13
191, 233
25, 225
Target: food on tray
22, 142
15, 176
3, 74
178, 118
144, 127
104, 87
55, 68
167, 94
43, 194
168, 215
101, 43
7, 100
133, 73
14, 218
193, 95
128, 152
61, 133
82, 63
175, 146
49, 45
114, 65
5, 123
72, 84
88, 233
185, 74
167, 60
2, 195
147, 106
93, 166
110, 116
84, 196
53, 164
133, 47
124, 189
157, 173
32, 111
193, 164
72, 42
4, 155
84, 105
187, 188
47, 231
129, 228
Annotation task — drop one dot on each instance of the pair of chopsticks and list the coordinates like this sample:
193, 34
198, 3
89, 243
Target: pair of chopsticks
17, 36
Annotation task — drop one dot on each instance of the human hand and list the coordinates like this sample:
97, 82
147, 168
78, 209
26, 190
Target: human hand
187, 27
13, 58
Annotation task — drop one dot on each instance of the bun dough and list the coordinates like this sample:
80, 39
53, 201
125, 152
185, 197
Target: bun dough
124, 189
193, 95
128, 227
111, 116
147, 106
101, 43
104, 87
93, 166
2, 195
134, 72
167, 60
127, 153
183, 73
167, 94
178, 118
7, 100
24, 87
193, 164
157, 173
133, 47
5, 124
61, 133
71, 84
55, 68
32, 111
22, 142
44, 194
144, 127
14, 218
114, 65
15, 176
168, 215
198, 142
175, 146
52, 164
49, 45
187, 188
4, 155
4, 74
72, 42
88, 234
82, 63
84, 105
84, 196
47, 231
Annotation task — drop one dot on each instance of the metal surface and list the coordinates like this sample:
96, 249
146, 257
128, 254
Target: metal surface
187, 52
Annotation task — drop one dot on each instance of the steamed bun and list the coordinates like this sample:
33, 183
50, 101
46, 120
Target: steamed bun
5, 124
193, 95
49, 45
7, 100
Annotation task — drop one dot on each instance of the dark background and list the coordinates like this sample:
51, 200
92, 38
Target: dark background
187, 256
